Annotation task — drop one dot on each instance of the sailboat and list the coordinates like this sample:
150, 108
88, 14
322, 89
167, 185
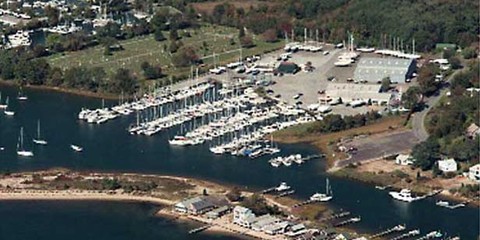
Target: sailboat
21, 96
39, 140
2, 105
8, 112
323, 197
20, 149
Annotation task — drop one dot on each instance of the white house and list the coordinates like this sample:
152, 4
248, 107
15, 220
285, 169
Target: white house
447, 165
474, 173
404, 159
243, 216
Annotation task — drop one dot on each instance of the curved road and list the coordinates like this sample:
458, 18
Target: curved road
418, 118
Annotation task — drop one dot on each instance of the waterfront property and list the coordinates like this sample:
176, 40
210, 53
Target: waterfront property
447, 165
194, 206
243, 216
404, 159
474, 172
376, 69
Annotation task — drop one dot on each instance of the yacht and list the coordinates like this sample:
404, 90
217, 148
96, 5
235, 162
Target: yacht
180, 141
404, 195
76, 148
282, 187
323, 197
39, 140
7, 111
20, 149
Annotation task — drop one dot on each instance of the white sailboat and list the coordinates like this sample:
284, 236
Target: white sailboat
20, 149
7, 111
76, 148
2, 105
323, 197
39, 140
21, 96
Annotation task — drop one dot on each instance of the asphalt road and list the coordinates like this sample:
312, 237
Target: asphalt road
418, 118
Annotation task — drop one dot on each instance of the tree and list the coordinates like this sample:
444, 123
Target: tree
469, 53
246, 42
411, 98
455, 62
173, 35
385, 84
123, 81
173, 48
184, 57
241, 32
158, 35
270, 35
234, 195
151, 72
426, 153
426, 79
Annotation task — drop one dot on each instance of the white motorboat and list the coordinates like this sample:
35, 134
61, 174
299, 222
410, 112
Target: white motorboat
217, 150
39, 140
323, 197
20, 149
180, 141
404, 195
21, 96
282, 187
76, 148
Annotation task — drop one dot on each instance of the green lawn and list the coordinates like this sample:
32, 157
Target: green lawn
140, 49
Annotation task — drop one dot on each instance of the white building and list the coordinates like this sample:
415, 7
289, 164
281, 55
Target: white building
404, 159
474, 173
355, 94
447, 165
243, 216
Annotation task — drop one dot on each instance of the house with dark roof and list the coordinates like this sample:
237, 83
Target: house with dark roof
195, 206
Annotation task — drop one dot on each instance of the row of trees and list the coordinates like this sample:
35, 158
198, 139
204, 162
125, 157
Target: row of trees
22, 67
372, 21
335, 122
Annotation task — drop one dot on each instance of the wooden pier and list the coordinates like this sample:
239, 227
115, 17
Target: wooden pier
285, 194
397, 228
348, 221
269, 190
335, 216
406, 235
199, 229
304, 203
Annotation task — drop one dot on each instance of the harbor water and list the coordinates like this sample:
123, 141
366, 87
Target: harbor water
109, 147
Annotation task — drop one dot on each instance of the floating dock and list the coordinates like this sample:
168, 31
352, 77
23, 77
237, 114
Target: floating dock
285, 193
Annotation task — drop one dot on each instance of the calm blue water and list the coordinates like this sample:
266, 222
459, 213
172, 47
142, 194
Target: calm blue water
109, 147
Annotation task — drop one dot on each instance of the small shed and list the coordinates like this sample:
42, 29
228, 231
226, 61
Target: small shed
447, 165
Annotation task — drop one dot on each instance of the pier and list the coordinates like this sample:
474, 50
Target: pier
304, 203
199, 229
285, 194
336, 215
397, 228
348, 221
408, 234
268, 190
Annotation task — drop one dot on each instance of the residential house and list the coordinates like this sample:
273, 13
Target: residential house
474, 172
472, 131
276, 228
447, 165
404, 159
216, 213
243, 216
195, 206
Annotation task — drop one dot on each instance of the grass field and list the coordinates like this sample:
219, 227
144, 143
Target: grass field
140, 49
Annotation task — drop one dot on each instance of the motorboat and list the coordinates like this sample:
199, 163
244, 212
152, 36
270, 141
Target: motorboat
76, 148
180, 141
7, 111
39, 140
2, 105
282, 187
404, 195
21, 151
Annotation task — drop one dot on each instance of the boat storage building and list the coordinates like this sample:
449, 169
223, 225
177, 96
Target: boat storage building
375, 69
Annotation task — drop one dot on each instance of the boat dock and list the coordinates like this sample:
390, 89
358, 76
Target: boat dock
304, 203
268, 190
397, 228
430, 235
199, 229
348, 221
408, 234
285, 193
335, 216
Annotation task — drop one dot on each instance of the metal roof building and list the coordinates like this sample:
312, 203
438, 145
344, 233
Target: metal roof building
350, 93
376, 69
